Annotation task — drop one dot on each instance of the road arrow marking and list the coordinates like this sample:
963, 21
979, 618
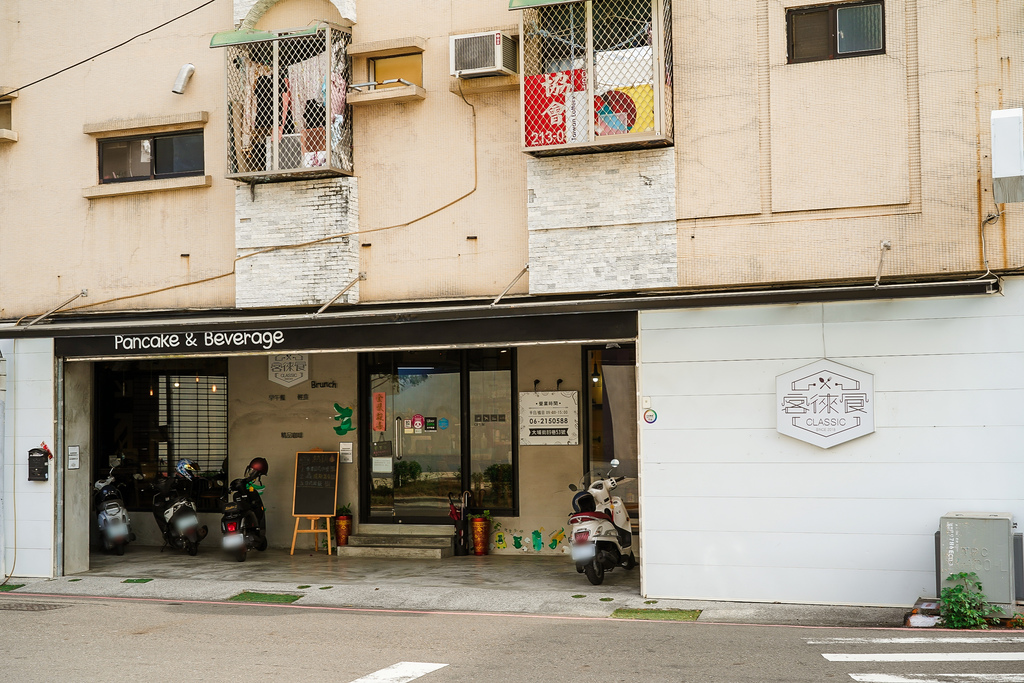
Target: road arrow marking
403, 672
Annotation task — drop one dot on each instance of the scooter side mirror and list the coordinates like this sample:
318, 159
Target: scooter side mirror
572, 487
137, 476
615, 462
115, 462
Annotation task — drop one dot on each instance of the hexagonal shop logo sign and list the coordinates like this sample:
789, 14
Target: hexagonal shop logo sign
825, 403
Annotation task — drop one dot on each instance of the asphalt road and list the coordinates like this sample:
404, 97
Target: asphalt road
73, 639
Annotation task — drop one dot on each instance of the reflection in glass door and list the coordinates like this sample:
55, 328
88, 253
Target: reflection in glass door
416, 443
438, 423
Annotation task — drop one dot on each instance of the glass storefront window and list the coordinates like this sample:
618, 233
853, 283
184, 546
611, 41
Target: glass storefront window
150, 414
491, 428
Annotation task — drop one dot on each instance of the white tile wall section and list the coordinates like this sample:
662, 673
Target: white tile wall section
600, 258
601, 222
591, 190
281, 215
731, 509
28, 510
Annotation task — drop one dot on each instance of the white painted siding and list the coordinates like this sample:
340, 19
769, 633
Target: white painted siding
28, 421
733, 510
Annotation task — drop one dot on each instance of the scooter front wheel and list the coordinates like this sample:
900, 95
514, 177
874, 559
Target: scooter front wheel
594, 571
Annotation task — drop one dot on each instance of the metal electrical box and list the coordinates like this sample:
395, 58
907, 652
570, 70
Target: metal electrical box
979, 542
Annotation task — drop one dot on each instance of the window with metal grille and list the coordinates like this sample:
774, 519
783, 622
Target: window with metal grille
596, 75
151, 414
287, 111
835, 31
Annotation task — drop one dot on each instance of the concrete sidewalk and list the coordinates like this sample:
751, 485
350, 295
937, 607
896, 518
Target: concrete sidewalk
496, 583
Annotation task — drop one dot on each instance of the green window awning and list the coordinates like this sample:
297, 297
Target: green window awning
249, 35
527, 4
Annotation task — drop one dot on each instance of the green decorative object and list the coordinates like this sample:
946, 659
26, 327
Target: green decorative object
344, 416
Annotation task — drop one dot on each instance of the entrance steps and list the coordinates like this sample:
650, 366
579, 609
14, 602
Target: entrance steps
426, 541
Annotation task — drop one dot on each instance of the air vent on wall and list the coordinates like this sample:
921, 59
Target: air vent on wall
475, 55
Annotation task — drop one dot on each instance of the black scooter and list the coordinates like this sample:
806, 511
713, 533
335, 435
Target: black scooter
175, 512
244, 522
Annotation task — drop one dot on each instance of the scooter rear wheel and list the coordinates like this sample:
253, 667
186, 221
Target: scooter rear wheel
241, 553
119, 548
595, 572
192, 547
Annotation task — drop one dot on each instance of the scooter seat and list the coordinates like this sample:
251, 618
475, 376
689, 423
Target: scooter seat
581, 517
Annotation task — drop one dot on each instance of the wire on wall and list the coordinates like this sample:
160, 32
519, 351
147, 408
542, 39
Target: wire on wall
321, 240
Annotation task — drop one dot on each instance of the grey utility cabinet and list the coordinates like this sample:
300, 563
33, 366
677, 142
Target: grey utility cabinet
979, 542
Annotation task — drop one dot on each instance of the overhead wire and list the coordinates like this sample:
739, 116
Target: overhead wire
109, 49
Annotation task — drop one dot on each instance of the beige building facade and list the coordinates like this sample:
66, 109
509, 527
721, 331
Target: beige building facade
336, 187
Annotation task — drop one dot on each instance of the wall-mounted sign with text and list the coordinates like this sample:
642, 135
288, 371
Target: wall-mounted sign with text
288, 369
825, 403
549, 418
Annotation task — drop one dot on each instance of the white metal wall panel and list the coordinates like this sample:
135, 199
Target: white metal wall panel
29, 419
733, 510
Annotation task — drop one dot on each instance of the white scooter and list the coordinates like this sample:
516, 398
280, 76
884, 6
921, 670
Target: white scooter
602, 537
111, 515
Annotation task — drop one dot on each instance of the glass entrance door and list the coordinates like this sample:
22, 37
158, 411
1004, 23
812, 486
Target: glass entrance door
416, 434
437, 422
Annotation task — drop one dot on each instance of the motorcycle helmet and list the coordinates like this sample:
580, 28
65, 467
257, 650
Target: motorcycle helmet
186, 468
583, 502
257, 467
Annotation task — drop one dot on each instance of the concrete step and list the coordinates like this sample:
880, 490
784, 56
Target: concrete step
402, 541
393, 552
407, 529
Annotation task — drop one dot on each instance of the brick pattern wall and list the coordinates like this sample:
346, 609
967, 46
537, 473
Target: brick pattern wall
285, 214
600, 258
602, 221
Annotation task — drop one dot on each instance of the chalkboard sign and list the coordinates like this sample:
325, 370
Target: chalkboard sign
316, 484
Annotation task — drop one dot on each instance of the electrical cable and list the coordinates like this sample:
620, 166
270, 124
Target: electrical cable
110, 49
301, 245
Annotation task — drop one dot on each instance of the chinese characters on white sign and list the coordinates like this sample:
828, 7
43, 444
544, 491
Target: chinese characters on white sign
549, 418
288, 369
825, 403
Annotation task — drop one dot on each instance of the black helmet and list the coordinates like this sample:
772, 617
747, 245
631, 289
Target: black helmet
258, 466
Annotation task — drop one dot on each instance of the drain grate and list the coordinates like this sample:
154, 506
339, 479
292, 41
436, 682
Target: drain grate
29, 606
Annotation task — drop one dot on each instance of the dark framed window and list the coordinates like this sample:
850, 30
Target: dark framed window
150, 414
149, 157
853, 29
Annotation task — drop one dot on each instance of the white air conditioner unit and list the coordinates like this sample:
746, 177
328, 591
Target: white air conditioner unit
475, 55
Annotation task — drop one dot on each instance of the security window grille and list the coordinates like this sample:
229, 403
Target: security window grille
150, 157
596, 75
835, 31
287, 103
151, 414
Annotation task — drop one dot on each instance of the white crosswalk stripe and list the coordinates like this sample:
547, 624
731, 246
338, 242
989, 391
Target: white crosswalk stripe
938, 678
403, 672
908, 656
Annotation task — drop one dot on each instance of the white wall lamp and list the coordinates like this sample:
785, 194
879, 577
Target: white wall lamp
181, 81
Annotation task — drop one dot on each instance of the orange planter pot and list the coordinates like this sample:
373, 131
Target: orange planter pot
342, 529
481, 535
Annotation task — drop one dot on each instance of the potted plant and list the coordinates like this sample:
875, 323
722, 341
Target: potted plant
481, 525
343, 524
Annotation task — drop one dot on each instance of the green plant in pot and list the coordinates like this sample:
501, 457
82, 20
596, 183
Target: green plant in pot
343, 524
481, 525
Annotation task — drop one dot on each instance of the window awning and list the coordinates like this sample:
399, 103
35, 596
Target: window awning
249, 35
527, 4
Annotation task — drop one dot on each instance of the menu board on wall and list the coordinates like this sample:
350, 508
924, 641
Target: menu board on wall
316, 484
549, 418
